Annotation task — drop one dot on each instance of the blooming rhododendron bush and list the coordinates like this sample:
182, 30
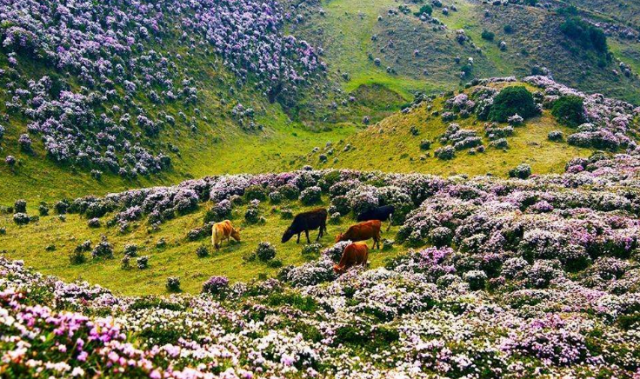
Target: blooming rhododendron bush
502, 278
106, 66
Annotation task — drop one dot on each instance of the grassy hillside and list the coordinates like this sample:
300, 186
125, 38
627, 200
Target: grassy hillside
330, 109
345, 28
391, 145
177, 258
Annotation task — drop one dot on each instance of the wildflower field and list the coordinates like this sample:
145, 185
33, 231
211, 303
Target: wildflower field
498, 138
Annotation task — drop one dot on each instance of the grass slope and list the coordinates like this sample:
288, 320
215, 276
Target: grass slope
346, 28
177, 258
390, 146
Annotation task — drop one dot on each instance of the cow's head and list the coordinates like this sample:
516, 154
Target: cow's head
235, 234
337, 269
287, 235
339, 237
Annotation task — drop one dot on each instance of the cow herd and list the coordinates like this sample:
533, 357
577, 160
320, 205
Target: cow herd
356, 253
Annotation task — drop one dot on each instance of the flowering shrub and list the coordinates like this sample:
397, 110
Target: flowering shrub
445, 153
43, 209
102, 250
173, 284
21, 218
20, 206
219, 212
265, 251
110, 51
131, 250
215, 285
202, 252
142, 262
252, 215
522, 171
311, 195
93, 223
311, 249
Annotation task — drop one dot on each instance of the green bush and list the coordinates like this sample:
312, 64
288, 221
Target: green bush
425, 9
586, 35
569, 110
511, 101
489, 36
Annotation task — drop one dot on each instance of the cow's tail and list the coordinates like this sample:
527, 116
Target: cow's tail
214, 237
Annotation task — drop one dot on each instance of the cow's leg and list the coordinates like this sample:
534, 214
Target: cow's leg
319, 234
306, 233
390, 222
298, 241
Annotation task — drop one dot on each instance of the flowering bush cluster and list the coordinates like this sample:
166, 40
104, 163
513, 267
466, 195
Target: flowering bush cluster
418, 317
110, 49
609, 121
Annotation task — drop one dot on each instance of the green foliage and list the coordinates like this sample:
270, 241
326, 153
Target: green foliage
511, 101
586, 35
425, 9
303, 303
569, 110
487, 35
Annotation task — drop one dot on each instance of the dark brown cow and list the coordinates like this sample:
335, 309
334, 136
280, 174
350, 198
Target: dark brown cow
303, 222
362, 232
353, 255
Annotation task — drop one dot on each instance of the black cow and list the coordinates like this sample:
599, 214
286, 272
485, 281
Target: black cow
383, 213
306, 221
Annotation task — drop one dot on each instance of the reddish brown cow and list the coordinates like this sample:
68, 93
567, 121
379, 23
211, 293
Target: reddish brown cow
223, 231
353, 255
362, 232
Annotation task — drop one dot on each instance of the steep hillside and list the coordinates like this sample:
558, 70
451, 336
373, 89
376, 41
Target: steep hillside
159, 93
625, 11
384, 42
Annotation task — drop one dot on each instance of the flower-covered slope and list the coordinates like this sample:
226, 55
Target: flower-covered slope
521, 277
87, 76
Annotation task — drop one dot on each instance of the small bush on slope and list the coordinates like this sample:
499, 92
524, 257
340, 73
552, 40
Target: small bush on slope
569, 110
511, 101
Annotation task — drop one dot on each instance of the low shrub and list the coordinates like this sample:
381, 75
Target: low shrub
103, 249
311, 195
511, 101
265, 251
142, 262
216, 285
569, 110
173, 284
202, 252
131, 250
21, 218
555, 135
522, 171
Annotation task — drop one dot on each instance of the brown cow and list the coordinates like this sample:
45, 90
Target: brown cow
353, 255
223, 231
362, 232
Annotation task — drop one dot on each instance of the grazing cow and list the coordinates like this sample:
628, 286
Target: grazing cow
362, 232
223, 231
353, 255
306, 221
383, 213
